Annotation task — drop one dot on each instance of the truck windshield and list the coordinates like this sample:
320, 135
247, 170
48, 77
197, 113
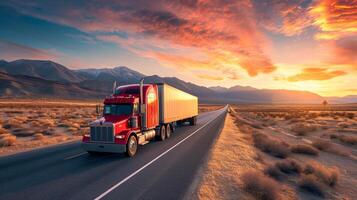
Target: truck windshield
122, 109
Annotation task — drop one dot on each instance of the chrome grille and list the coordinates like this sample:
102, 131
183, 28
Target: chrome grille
101, 134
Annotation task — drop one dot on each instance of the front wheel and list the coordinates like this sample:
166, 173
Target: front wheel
131, 146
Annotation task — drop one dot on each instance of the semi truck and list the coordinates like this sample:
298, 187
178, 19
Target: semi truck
138, 113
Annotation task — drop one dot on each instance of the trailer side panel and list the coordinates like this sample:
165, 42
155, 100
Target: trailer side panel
175, 104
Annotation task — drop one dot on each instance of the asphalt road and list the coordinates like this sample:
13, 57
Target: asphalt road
160, 170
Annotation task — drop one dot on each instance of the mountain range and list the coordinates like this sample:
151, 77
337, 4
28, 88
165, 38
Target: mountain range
47, 79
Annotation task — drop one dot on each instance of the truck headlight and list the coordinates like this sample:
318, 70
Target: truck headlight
120, 136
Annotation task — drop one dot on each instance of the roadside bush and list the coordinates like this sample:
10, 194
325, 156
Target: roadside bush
350, 115
23, 132
321, 144
343, 125
7, 140
274, 172
304, 149
327, 146
38, 136
260, 186
303, 129
348, 139
271, 146
3, 131
326, 175
311, 184
289, 166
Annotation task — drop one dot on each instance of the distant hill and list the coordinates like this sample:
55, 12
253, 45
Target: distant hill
41, 69
37, 78
120, 74
28, 86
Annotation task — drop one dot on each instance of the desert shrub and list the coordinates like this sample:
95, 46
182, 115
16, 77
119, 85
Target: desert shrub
324, 114
12, 123
47, 122
76, 125
3, 131
38, 136
312, 115
260, 186
289, 166
7, 140
311, 184
274, 172
350, 115
23, 132
271, 146
348, 139
327, 175
322, 145
333, 136
343, 125
302, 129
327, 146
304, 149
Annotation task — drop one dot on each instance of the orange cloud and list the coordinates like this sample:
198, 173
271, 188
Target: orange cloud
345, 51
286, 17
335, 18
210, 77
315, 74
216, 28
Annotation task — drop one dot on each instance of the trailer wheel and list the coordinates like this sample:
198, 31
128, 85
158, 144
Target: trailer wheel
131, 146
162, 134
168, 131
193, 121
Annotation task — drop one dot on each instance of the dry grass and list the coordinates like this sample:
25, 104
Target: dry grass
322, 145
303, 129
304, 149
347, 139
3, 131
343, 125
310, 184
7, 140
327, 146
326, 175
271, 146
260, 186
317, 177
289, 166
274, 172
38, 136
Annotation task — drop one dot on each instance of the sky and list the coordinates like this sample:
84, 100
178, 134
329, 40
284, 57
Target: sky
279, 44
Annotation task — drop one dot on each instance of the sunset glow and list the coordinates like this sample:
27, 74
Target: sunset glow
299, 44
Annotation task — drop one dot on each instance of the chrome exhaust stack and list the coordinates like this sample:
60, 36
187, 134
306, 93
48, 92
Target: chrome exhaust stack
142, 106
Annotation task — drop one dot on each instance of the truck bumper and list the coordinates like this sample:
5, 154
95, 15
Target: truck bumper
102, 147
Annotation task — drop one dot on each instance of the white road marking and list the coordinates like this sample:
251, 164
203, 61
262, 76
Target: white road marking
152, 161
75, 156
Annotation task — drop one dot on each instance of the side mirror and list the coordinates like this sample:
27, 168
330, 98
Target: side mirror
133, 122
98, 109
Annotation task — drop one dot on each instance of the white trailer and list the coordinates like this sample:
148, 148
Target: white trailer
176, 105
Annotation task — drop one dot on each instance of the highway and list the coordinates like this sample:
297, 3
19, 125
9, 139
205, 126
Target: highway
159, 170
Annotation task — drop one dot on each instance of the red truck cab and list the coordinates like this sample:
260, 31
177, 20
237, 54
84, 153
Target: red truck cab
135, 114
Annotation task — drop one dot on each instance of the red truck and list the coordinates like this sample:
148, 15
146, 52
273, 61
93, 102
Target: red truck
135, 114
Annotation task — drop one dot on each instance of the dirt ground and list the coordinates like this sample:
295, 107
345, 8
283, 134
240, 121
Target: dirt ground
27, 124
284, 152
